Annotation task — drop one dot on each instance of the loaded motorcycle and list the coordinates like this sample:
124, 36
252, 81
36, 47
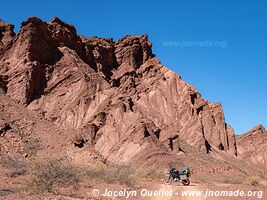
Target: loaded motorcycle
175, 175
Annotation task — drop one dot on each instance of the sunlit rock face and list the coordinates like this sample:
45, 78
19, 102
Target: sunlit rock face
115, 95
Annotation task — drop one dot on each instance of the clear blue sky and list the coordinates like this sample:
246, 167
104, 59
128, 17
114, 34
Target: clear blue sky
233, 73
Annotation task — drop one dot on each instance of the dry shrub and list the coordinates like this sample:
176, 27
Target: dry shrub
113, 174
13, 161
16, 162
6, 191
33, 145
254, 181
124, 174
149, 173
46, 175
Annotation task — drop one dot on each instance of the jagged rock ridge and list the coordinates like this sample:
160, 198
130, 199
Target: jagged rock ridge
115, 95
6, 33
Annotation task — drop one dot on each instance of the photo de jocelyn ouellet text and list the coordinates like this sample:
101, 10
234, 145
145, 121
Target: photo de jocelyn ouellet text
132, 193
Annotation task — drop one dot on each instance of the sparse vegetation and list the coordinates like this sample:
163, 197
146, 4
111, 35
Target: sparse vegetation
32, 144
54, 174
13, 161
122, 174
44, 176
113, 174
16, 162
254, 181
231, 180
6, 191
149, 173
264, 183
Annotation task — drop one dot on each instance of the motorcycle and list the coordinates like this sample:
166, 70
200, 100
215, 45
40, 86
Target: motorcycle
174, 176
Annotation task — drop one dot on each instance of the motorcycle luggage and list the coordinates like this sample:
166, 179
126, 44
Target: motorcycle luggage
183, 177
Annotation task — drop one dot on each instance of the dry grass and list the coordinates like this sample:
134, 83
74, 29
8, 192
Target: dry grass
264, 183
254, 181
60, 176
46, 175
16, 162
122, 174
112, 174
13, 161
6, 191
149, 173
231, 180
33, 145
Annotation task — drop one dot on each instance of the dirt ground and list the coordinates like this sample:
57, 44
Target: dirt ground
159, 191
145, 190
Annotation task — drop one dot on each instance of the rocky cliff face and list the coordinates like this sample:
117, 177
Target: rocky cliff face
252, 146
114, 95
6, 34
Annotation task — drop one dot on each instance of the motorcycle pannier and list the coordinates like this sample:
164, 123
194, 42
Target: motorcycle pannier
183, 177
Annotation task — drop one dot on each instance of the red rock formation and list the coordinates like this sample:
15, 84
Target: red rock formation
116, 95
252, 146
6, 34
